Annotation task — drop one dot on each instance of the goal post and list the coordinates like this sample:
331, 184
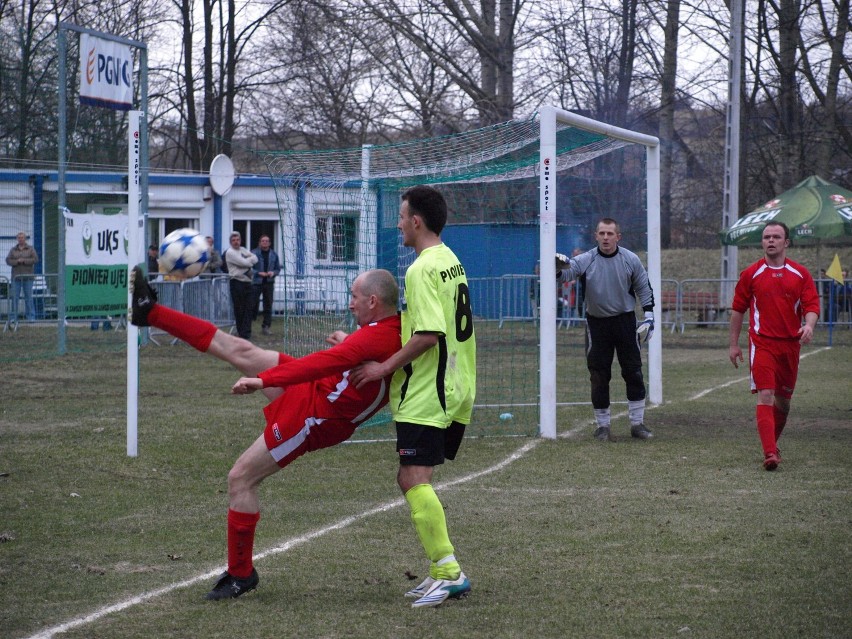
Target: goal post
549, 118
516, 191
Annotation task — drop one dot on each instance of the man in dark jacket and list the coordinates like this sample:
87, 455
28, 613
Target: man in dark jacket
266, 269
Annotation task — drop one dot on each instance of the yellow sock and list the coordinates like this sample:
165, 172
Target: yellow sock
427, 513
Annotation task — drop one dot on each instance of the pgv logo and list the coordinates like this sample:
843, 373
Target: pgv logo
110, 69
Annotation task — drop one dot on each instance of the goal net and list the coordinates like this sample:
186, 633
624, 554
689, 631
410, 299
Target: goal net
338, 214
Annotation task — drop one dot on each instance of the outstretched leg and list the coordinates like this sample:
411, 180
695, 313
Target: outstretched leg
200, 334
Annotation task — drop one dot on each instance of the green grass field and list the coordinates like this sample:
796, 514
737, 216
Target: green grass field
682, 536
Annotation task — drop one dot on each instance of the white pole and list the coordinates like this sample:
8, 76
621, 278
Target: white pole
547, 273
134, 252
370, 238
652, 147
655, 346
731, 186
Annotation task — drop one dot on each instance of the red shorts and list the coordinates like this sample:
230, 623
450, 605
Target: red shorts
774, 364
293, 429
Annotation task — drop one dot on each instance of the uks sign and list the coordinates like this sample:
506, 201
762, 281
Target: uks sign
106, 73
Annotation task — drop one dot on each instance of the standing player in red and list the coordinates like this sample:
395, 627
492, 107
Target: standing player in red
312, 404
779, 294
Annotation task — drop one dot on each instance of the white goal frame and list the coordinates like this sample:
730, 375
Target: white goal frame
548, 118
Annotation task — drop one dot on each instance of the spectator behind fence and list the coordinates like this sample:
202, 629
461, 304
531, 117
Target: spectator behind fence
263, 283
153, 264
844, 303
579, 290
239, 261
107, 325
22, 258
214, 262
535, 294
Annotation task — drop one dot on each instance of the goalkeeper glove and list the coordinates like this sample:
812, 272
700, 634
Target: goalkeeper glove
646, 327
562, 261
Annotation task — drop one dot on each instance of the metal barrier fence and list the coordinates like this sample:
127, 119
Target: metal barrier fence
680, 303
507, 298
515, 298
311, 294
13, 308
206, 297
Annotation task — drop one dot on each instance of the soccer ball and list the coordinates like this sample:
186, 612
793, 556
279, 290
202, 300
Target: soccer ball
183, 253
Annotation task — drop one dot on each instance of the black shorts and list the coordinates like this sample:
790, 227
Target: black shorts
420, 445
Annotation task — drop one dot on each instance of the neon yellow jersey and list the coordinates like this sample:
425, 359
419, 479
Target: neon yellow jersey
439, 386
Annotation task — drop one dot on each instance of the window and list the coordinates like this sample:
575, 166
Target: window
337, 238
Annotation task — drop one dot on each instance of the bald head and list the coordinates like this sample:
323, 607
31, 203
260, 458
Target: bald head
382, 284
375, 295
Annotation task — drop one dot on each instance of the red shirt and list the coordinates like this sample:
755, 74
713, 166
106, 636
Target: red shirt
335, 397
778, 298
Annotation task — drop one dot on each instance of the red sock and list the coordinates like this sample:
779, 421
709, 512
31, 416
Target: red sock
766, 427
780, 422
241, 542
196, 332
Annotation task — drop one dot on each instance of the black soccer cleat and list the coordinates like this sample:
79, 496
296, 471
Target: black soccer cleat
602, 434
230, 587
142, 298
639, 431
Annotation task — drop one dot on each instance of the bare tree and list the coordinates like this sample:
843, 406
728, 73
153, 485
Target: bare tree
210, 93
27, 62
793, 110
826, 92
28, 78
489, 31
327, 91
426, 101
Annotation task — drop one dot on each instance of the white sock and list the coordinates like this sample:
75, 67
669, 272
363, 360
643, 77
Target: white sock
602, 417
636, 412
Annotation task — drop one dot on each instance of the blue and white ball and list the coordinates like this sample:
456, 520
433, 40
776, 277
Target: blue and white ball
183, 253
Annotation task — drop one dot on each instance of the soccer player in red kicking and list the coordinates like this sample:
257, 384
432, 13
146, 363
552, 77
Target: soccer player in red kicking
312, 404
779, 294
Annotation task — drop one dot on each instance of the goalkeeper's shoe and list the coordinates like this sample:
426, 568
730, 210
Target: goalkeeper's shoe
443, 589
142, 298
230, 587
602, 434
420, 590
639, 431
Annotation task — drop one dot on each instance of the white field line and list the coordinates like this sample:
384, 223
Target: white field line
283, 547
48, 633
578, 429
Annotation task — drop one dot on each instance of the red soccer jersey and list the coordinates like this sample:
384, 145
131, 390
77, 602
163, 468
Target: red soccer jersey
778, 298
335, 397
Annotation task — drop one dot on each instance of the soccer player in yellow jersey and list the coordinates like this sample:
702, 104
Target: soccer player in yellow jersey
433, 388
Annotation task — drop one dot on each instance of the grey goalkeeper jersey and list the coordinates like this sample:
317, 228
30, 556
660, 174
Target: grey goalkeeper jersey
612, 282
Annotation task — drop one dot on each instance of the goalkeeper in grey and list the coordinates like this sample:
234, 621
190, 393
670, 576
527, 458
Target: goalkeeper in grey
613, 279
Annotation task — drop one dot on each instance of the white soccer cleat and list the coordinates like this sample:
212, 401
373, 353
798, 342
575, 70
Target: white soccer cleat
443, 589
420, 590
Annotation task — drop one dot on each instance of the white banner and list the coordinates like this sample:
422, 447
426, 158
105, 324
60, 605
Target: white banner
96, 248
93, 238
106, 73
